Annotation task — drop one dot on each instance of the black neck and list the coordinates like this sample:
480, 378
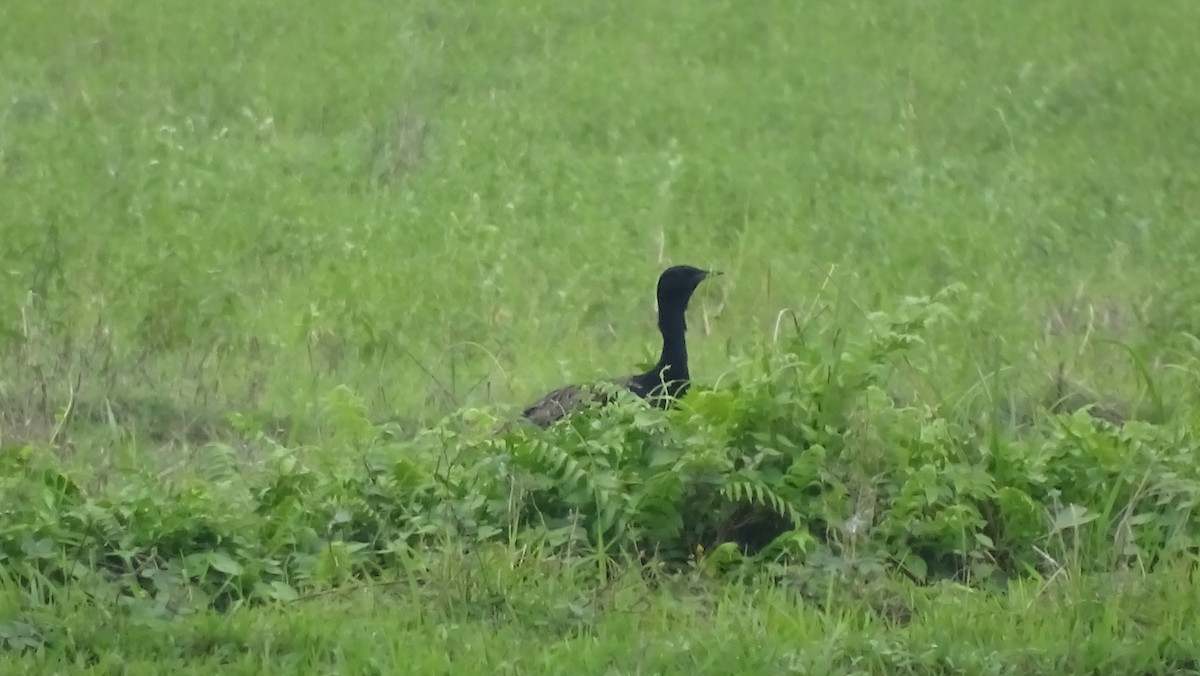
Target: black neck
672, 366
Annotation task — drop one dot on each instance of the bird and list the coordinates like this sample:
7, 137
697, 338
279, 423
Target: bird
667, 380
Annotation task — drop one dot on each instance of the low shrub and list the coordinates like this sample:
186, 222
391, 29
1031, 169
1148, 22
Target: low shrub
807, 455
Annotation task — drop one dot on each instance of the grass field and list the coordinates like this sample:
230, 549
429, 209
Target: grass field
268, 266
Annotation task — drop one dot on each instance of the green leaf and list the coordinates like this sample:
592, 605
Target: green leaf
41, 548
223, 562
662, 456
340, 517
915, 566
1073, 516
281, 591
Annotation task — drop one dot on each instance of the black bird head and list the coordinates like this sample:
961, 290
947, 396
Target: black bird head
676, 284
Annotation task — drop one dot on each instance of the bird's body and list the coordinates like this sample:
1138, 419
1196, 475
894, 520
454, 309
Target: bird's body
667, 380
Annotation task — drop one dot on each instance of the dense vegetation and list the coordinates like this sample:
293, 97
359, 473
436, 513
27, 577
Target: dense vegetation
273, 274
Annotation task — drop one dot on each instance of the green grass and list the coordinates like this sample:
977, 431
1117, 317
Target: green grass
503, 617
237, 236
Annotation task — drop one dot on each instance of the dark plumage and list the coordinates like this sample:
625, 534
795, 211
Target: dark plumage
668, 377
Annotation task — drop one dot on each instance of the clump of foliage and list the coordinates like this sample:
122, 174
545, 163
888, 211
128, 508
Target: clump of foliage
808, 455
